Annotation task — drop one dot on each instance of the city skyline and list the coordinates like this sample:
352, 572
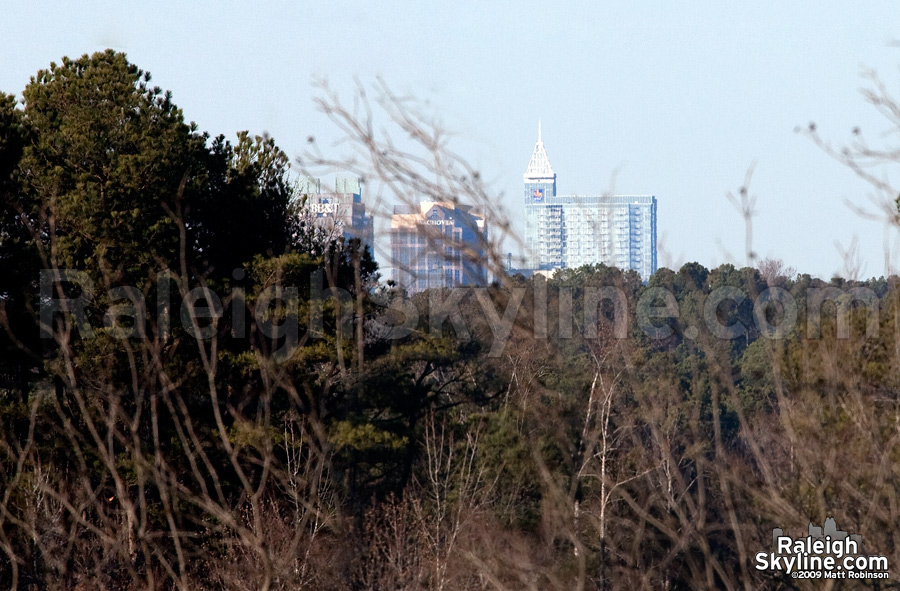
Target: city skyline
204, 385
675, 100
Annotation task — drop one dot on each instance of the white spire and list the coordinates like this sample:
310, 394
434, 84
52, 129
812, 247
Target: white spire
539, 166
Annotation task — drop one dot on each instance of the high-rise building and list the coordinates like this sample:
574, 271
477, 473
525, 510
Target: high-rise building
437, 244
341, 213
568, 231
544, 230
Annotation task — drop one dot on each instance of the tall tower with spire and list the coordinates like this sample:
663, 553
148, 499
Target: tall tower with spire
540, 180
544, 239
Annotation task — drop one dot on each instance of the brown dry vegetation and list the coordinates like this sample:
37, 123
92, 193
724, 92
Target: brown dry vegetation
342, 458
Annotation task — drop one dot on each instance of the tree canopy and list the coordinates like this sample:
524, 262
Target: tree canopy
221, 397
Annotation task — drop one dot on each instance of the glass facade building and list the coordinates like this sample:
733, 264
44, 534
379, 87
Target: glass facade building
569, 231
340, 212
438, 244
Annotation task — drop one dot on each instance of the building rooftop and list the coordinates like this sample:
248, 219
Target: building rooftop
539, 165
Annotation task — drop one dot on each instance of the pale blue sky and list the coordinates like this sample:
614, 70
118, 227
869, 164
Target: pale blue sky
677, 99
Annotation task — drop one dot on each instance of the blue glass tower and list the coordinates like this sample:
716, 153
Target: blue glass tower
569, 231
544, 238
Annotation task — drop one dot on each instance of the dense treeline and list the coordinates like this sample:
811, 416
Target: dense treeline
198, 390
